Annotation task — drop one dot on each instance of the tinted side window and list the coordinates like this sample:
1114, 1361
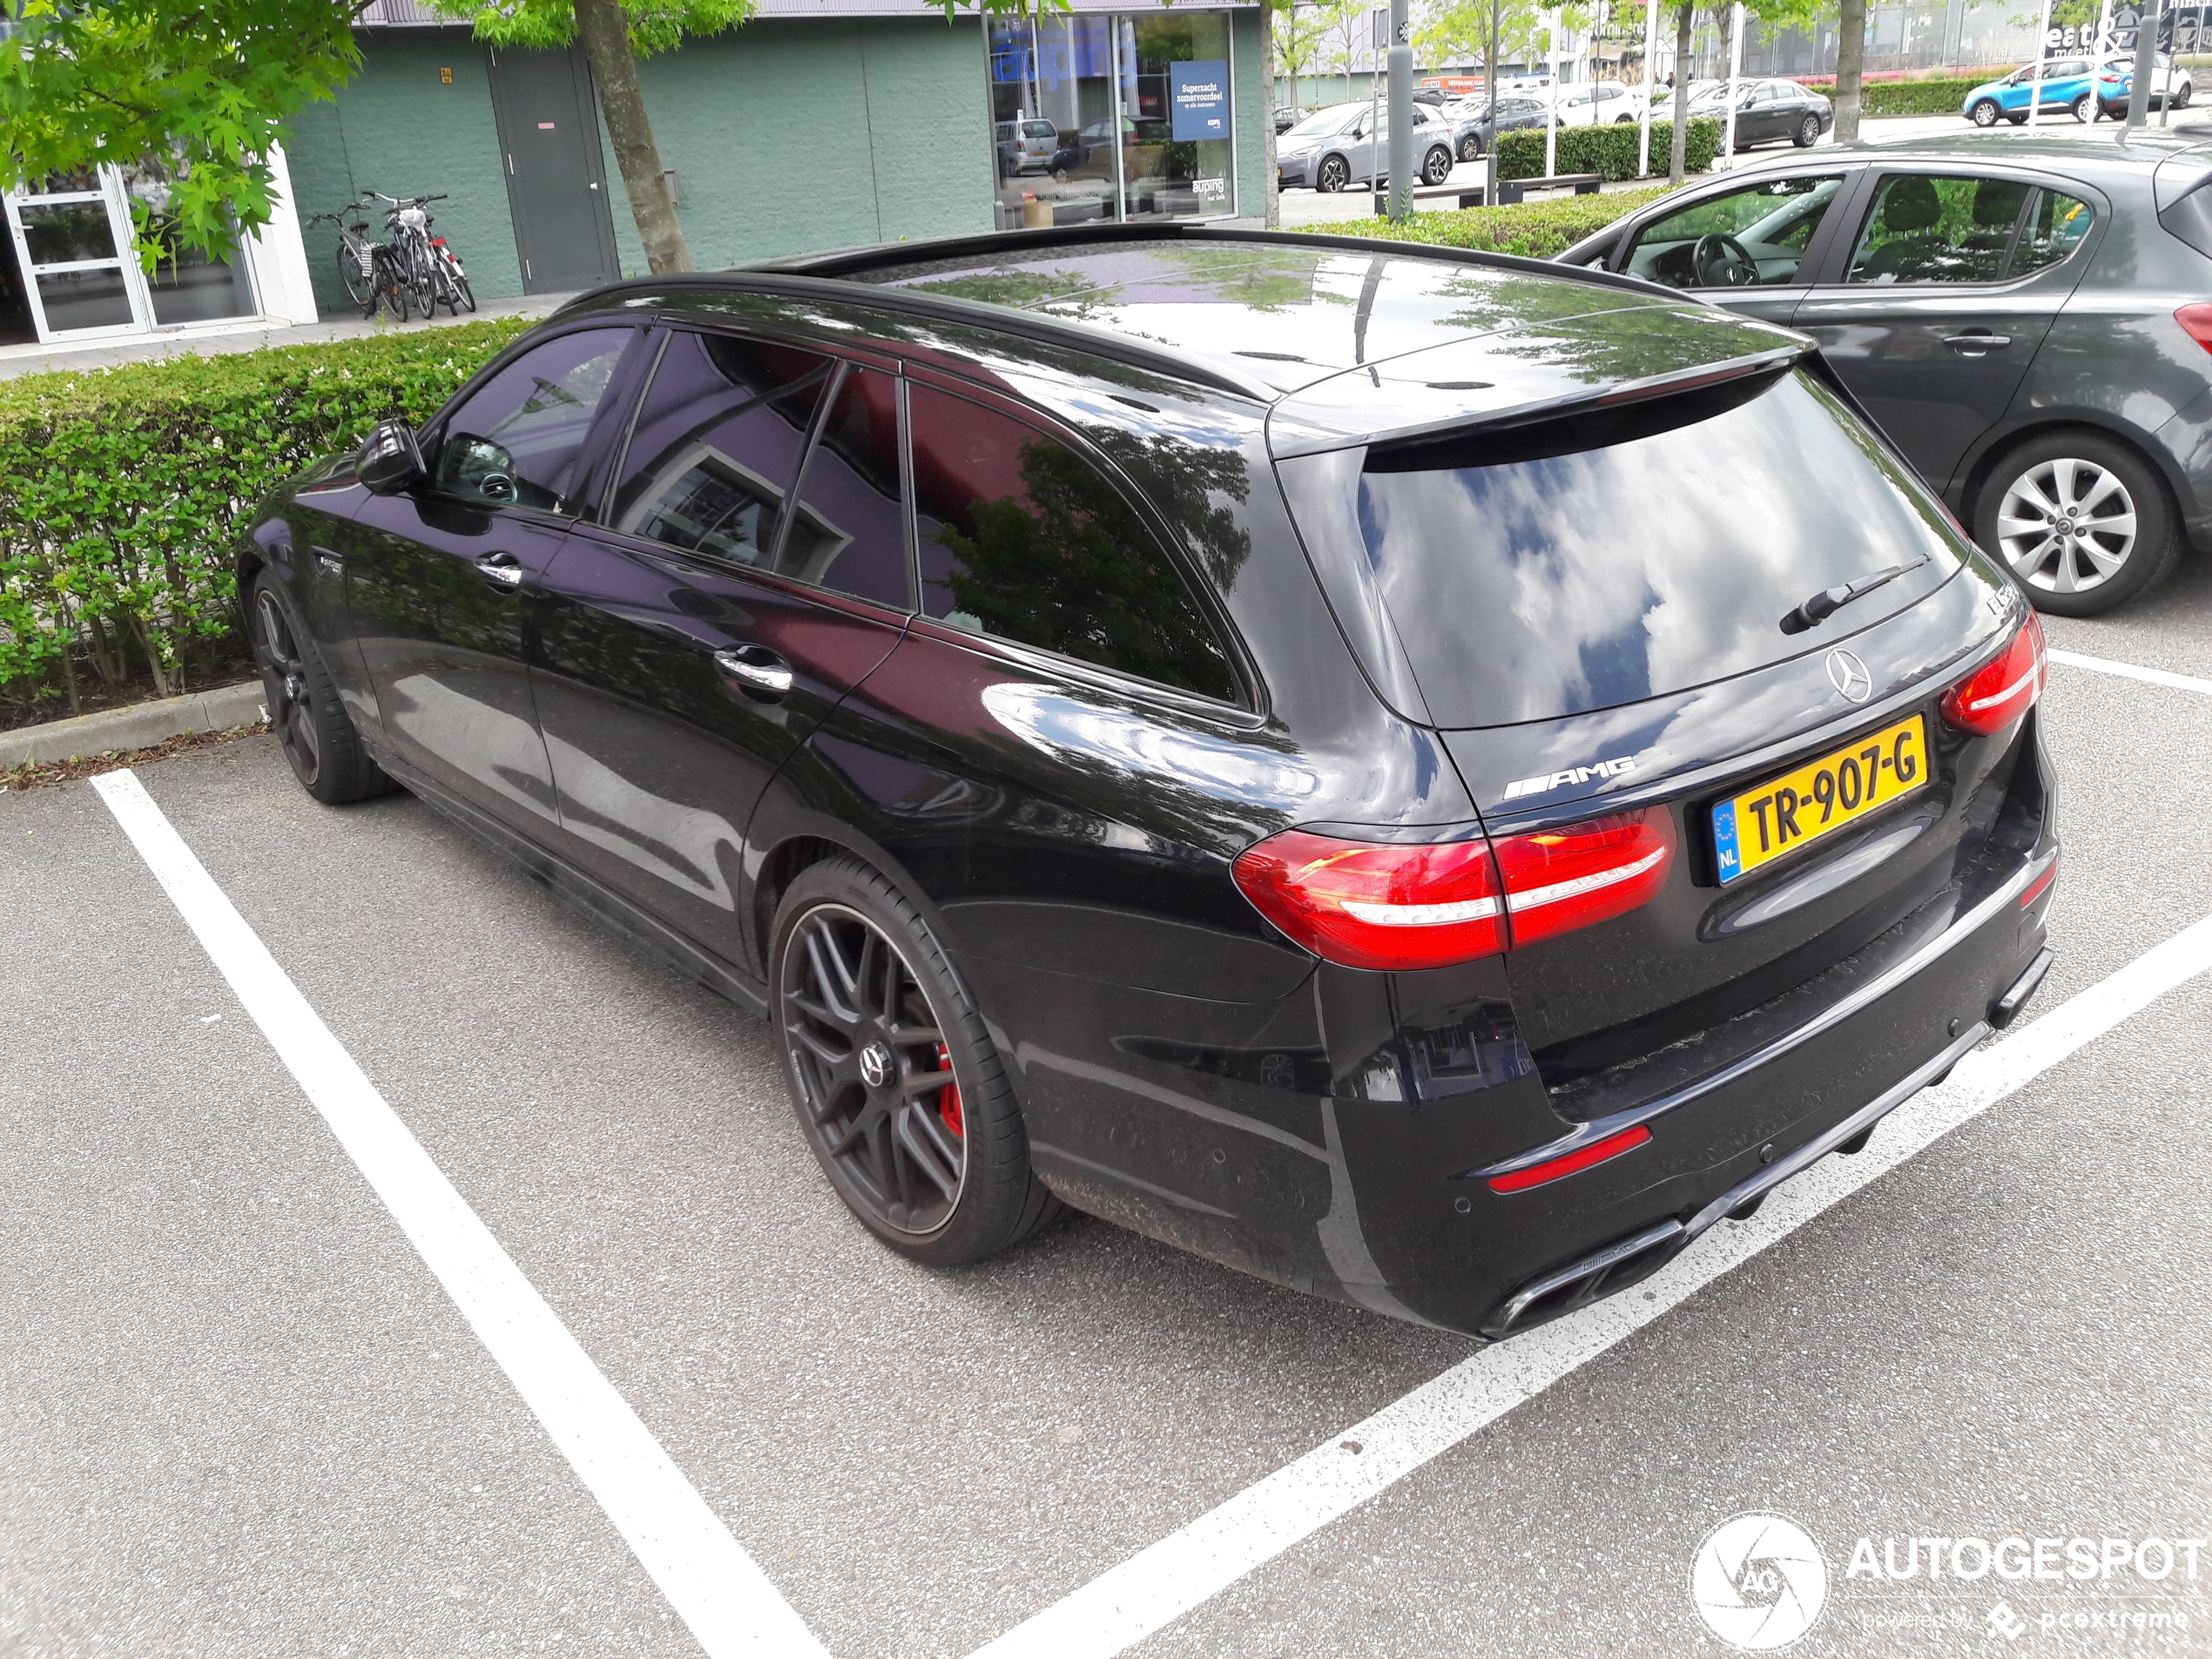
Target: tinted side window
517, 440
2055, 226
717, 444
1023, 538
850, 531
1925, 229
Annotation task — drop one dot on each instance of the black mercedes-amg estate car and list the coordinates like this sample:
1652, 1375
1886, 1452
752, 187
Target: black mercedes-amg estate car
1433, 779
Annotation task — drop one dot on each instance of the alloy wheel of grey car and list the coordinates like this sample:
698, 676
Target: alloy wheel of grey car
1808, 132
1471, 148
1436, 165
2082, 524
1335, 174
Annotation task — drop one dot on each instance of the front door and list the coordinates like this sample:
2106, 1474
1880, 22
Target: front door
1752, 249
71, 237
443, 581
557, 178
726, 606
1950, 285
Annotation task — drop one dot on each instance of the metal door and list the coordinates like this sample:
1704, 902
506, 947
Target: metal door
72, 238
556, 180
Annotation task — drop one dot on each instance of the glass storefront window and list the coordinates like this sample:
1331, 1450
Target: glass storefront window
1098, 116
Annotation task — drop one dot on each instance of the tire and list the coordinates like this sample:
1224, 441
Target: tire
464, 292
392, 289
1436, 165
311, 726
1985, 113
1471, 147
2097, 568
2018, 120
2085, 109
1808, 133
843, 934
2182, 95
1333, 174
358, 287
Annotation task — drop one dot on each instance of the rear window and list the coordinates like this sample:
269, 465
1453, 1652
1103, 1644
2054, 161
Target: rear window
1586, 563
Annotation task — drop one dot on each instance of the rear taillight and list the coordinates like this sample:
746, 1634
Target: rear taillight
1366, 904
2003, 689
1571, 1163
2196, 323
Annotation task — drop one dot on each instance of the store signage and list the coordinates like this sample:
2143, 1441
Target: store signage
1199, 93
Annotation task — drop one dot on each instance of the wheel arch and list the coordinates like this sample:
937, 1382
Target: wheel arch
1984, 460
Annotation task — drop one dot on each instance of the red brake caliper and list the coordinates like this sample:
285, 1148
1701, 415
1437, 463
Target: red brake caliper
948, 1097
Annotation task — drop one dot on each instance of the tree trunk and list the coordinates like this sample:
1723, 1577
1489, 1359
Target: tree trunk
1850, 60
1267, 109
1678, 145
605, 34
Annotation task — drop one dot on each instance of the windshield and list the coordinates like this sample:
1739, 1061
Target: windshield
1579, 573
1322, 123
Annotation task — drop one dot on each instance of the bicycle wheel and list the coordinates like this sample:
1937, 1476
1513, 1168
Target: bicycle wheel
466, 294
422, 277
359, 288
392, 286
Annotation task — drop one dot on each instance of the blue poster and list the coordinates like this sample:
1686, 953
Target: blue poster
1200, 94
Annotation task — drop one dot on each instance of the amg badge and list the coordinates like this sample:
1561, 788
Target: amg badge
1572, 775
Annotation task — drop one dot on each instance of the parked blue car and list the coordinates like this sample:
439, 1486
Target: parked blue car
2069, 88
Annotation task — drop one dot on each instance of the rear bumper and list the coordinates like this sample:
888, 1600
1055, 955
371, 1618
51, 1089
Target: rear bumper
1504, 1262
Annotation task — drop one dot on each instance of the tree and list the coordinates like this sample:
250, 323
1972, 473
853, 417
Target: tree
1677, 144
1850, 64
201, 90
1298, 43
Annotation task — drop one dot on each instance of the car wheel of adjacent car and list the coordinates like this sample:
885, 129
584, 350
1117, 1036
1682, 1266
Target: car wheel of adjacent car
1985, 113
2019, 120
311, 726
1335, 173
1436, 165
1471, 148
902, 1094
1807, 132
2082, 522
2182, 95
2085, 109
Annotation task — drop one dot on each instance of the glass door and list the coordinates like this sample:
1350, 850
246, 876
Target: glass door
72, 238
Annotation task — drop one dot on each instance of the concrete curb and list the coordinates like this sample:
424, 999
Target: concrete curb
139, 727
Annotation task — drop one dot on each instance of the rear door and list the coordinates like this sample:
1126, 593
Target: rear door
725, 602
1935, 309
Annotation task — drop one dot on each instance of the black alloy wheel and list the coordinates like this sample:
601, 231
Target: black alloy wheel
316, 734
1436, 165
904, 1100
1335, 174
1807, 132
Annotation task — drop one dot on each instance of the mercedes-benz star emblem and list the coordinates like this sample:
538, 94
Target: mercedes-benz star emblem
875, 1065
1848, 675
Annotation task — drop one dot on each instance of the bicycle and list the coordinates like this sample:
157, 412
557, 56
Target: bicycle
434, 269
370, 270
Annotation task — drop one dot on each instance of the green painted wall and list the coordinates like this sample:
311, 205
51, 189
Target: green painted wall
397, 128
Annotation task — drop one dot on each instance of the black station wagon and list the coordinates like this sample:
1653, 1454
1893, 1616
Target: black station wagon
1433, 779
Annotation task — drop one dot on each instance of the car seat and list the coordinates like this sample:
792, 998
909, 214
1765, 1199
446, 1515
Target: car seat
1997, 209
1910, 211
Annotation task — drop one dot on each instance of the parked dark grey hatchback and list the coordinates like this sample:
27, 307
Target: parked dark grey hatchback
2029, 319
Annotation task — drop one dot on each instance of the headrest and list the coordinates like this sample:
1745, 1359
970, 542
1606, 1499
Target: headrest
1912, 204
1997, 203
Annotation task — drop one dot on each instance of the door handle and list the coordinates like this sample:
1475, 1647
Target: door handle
502, 571
759, 672
1978, 342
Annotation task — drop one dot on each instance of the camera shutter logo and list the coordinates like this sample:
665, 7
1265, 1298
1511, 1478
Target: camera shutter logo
1759, 1583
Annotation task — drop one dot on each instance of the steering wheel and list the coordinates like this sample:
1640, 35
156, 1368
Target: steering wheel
1721, 261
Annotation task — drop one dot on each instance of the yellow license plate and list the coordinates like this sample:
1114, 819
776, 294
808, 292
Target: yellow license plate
1819, 798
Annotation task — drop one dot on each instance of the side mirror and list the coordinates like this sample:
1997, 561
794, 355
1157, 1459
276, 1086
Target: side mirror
389, 461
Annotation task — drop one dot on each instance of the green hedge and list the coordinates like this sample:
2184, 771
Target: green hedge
1610, 150
1537, 229
126, 487
1941, 97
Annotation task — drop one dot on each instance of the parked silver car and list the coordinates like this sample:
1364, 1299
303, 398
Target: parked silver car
1349, 144
1026, 146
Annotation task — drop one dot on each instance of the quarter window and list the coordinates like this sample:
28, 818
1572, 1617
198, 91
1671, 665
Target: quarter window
518, 438
1929, 229
717, 444
2055, 225
1022, 538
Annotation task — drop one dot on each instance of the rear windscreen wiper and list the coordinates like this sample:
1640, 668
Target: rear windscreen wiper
1829, 601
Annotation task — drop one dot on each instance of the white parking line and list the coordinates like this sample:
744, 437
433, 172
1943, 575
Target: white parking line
2130, 671
714, 1585
1159, 1585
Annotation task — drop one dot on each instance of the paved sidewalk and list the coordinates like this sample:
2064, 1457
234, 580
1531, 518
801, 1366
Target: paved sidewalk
250, 335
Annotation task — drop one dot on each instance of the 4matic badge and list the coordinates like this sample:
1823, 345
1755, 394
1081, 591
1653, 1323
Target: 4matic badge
1612, 768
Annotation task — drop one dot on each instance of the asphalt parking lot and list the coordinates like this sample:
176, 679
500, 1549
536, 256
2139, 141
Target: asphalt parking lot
240, 1414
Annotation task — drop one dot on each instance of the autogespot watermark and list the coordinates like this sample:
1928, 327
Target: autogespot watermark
1759, 1583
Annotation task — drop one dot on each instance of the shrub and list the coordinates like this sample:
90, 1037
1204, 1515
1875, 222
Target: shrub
126, 488
1537, 229
1941, 97
1610, 152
